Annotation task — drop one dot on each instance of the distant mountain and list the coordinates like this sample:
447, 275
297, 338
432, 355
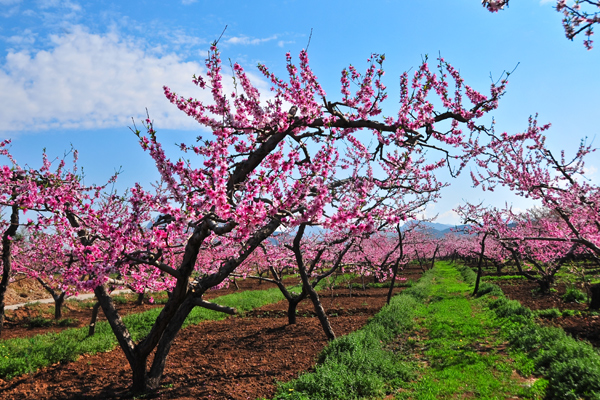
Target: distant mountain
456, 228
428, 225
436, 228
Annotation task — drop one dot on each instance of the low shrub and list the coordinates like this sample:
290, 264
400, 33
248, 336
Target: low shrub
67, 322
574, 295
571, 367
468, 275
550, 313
39, 322
503, 278
505, 308
570, 313
489, 289
357, 365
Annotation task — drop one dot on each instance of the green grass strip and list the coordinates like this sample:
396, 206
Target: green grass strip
23, 355
432, 342
457, 344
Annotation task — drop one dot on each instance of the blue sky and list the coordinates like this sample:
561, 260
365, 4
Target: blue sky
76, 73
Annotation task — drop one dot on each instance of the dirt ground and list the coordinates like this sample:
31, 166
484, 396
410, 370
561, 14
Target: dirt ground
23, 290
241, 357
584, 326
18, 322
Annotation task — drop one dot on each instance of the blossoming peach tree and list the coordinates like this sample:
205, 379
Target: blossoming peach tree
294, 160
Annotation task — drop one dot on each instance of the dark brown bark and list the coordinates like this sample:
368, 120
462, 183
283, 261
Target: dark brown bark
434, 255
321, 314
396, 264
306, 285
59, 298
140, 298
292, 306
183, 299
94, 319
595, 296
7, 259
479, 264
59, 301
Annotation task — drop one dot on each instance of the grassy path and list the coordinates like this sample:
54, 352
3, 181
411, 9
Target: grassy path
435, 341
459, 349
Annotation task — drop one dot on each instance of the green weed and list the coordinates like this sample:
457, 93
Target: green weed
39, 322
549, 313
574, 295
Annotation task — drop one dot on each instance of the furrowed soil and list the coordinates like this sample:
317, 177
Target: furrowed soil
241, 357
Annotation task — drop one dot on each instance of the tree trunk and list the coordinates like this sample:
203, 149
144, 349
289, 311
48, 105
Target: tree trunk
479, 271
140, 298
314, 297
58, 303
92, 328
390, 292
498, 267
152, 381
433, 258
292, 305
595, 296
140, 378
545, 283
7, 259
479, 265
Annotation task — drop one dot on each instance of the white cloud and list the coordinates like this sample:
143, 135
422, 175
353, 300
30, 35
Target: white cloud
450, 217
188, 2
245, 40
25, 39
590, 171
95, 81
282, 43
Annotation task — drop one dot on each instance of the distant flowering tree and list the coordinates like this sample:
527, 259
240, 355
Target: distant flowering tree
536, 243
578, 18
42, 192
43, 257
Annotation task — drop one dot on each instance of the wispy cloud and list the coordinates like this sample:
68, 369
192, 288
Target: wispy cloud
282, 43
188, 2
245, 40
22, 41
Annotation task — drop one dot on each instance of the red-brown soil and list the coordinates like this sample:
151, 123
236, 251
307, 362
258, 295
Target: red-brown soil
241, 357
17, 322
582, 326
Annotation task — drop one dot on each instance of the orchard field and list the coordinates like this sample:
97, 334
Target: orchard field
287, 249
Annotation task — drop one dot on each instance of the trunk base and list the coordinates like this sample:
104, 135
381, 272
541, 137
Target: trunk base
595, 296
